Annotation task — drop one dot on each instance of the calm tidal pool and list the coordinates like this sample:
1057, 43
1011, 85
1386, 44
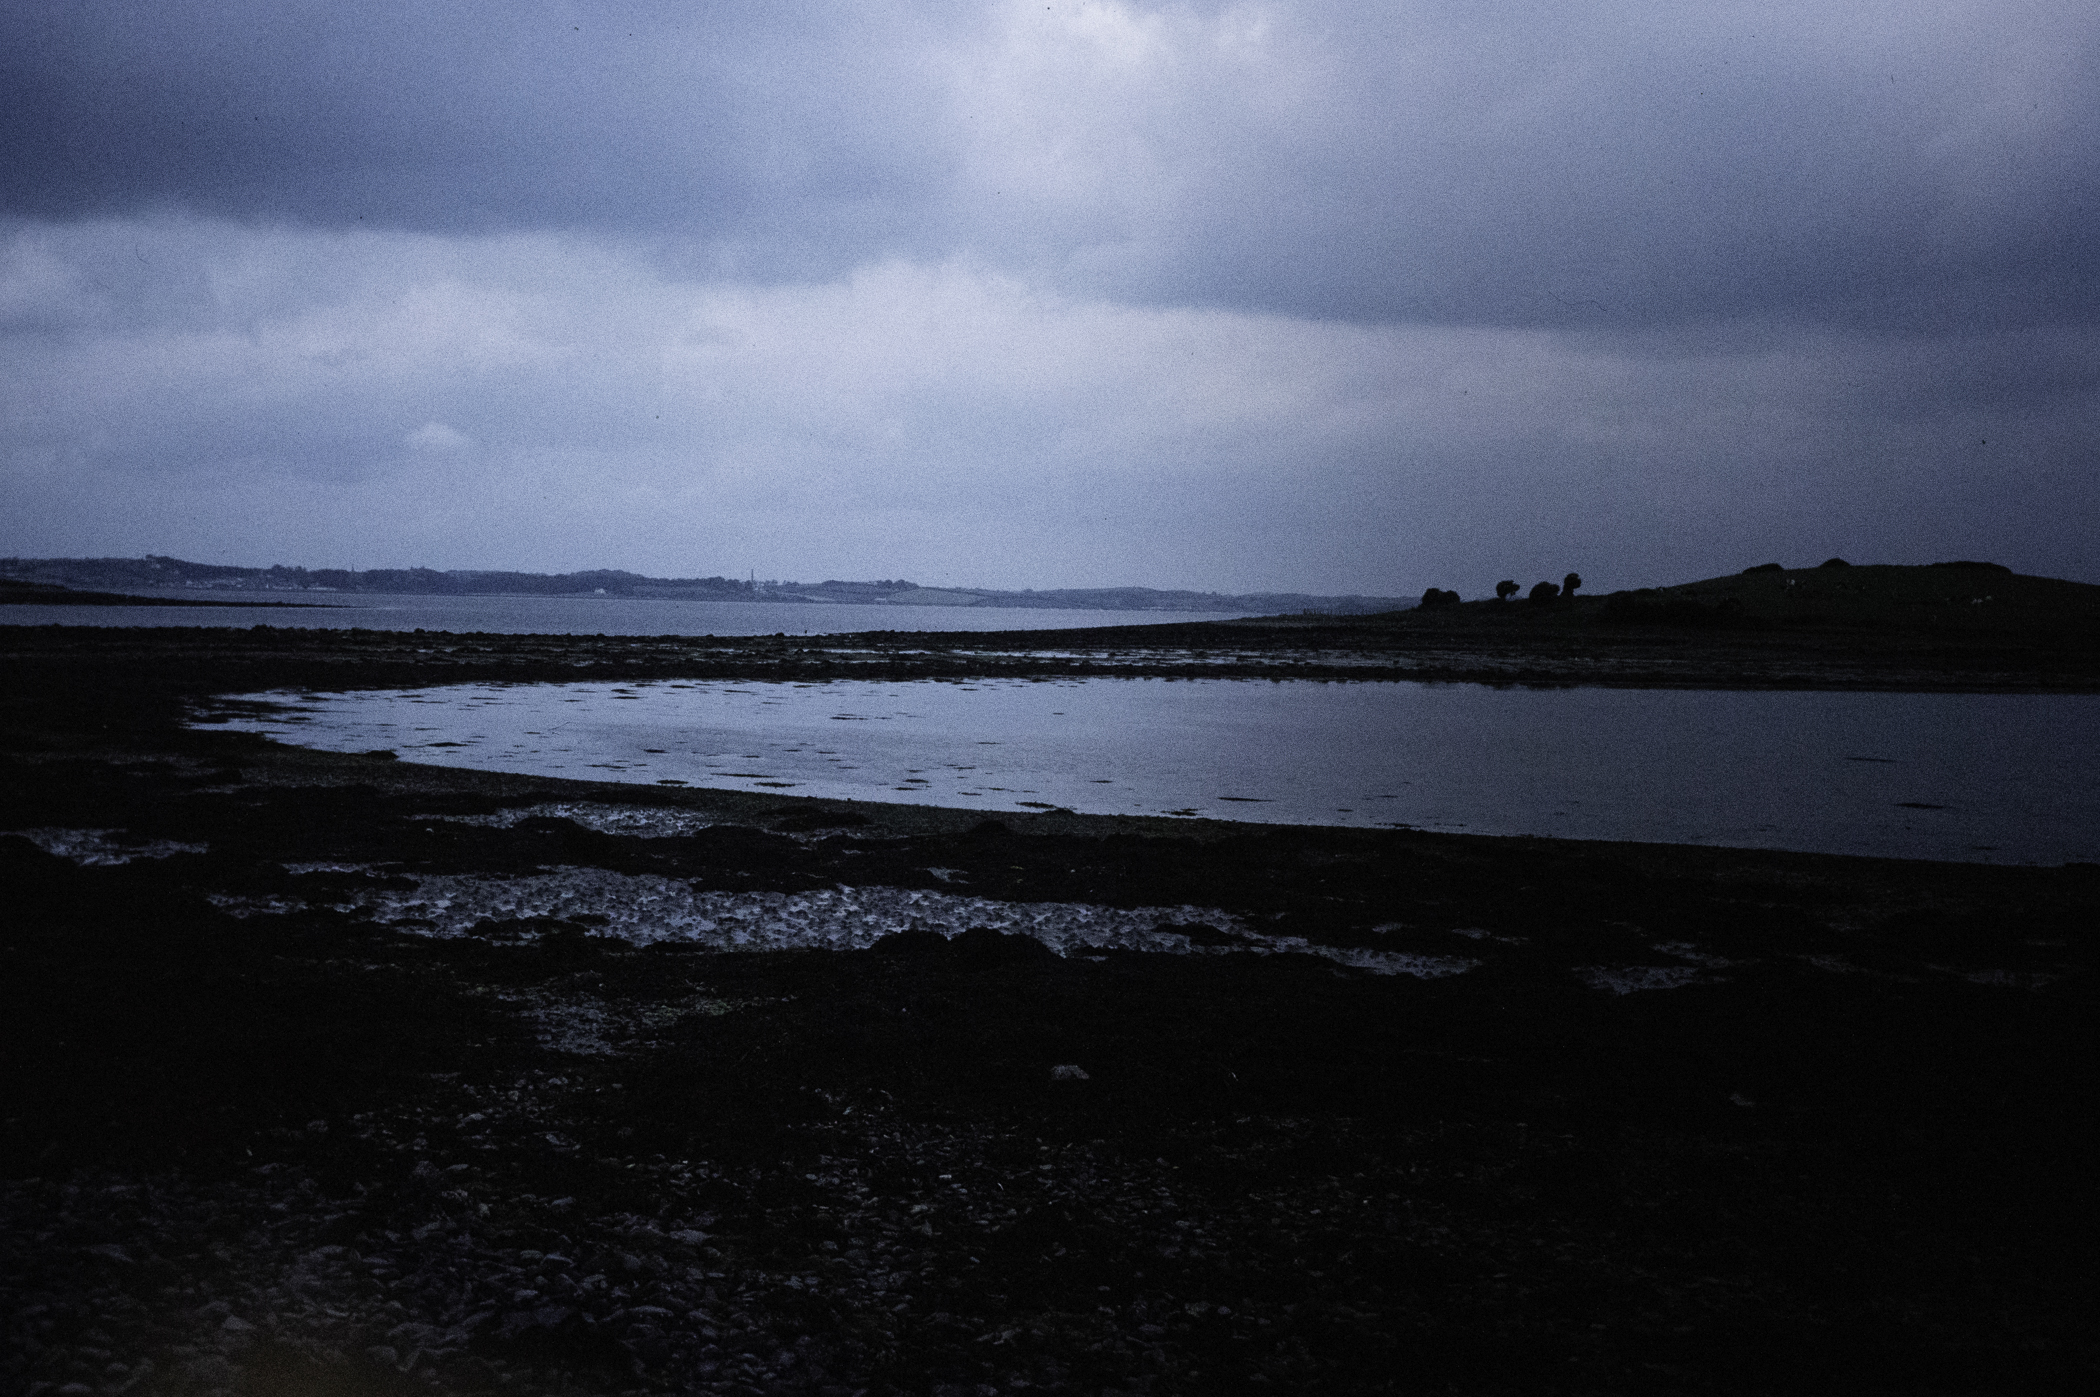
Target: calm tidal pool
1974, 777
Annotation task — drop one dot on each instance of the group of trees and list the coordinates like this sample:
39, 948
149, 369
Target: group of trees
1541, 592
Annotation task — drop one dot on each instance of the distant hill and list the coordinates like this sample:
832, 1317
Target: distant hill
123, 574
151, 571
1955, 596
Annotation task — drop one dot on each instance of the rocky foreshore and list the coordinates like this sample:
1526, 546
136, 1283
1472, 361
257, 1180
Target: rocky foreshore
333, 1074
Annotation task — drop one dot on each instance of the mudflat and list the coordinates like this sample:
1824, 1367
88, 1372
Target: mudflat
1355, 1111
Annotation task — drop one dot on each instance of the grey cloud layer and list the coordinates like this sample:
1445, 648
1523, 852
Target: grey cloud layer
1303, 296
465, 117
1610, 164
369, 399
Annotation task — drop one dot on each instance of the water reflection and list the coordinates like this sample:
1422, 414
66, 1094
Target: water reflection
1993, 778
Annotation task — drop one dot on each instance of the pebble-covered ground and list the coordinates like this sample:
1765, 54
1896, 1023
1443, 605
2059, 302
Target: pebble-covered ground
330, 1074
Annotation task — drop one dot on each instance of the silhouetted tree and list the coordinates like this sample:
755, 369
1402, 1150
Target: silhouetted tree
1437, 597
1834, 563
1569, 583
1506, 589
1544, 592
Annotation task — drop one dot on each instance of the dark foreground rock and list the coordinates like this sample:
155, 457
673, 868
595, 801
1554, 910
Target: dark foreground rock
1692, 1121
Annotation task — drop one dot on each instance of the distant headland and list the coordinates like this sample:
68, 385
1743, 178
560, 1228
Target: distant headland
1962, 596
113, 575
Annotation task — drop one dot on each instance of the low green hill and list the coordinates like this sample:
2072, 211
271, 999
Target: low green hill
1938, 596
1969, 599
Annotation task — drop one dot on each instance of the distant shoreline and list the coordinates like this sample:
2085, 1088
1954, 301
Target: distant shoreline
121, 574
1957, 628
199, 660
35, 594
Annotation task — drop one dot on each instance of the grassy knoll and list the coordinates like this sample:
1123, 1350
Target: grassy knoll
1977, 597
1959, 598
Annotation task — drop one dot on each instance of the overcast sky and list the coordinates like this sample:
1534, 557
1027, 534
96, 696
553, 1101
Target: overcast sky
1310, 295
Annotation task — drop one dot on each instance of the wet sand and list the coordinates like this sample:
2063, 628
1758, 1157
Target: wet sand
1682, 1120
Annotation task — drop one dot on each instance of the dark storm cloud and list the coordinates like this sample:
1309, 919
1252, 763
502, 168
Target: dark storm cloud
1604, 165
728, 121
1628, 165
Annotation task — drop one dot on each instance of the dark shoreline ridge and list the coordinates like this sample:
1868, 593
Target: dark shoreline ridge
15, 593
302, 1151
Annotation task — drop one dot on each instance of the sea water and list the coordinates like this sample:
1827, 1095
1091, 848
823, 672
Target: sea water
575, 615
1975, 777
